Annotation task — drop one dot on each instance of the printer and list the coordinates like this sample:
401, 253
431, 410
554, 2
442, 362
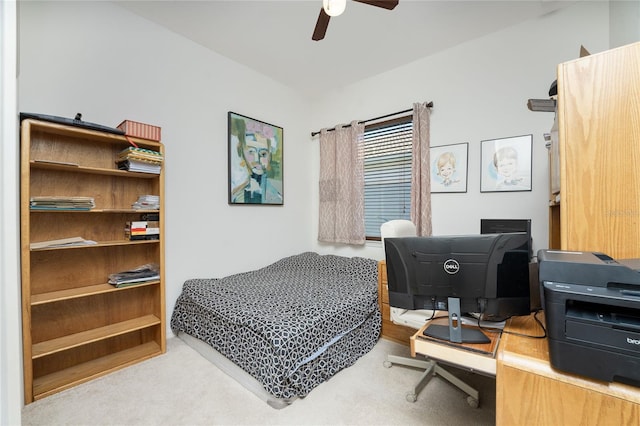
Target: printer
592, 309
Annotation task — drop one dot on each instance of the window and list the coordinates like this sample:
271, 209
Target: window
387, 173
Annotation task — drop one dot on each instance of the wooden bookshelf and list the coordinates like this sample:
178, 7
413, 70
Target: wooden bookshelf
76, 326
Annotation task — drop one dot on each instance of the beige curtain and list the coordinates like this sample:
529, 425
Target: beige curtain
342, 185
421, 175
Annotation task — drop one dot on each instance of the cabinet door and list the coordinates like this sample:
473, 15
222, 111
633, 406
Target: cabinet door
599, 131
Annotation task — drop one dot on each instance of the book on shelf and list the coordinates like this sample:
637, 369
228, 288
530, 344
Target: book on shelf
144, 237
150, 216
139, 166
142, 230
60, 202
138, 275
141, 154
62, 242
140, 160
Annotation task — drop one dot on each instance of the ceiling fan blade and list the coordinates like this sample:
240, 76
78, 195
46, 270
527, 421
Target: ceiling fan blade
321, 26
385, 4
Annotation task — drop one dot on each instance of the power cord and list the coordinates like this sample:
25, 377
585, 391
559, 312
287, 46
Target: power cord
535, 317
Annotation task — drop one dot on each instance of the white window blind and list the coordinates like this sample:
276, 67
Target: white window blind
387, 174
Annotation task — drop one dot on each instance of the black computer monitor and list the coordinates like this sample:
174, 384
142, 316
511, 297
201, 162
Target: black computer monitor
485, 274
500, 226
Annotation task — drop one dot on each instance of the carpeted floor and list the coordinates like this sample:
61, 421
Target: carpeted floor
182, 388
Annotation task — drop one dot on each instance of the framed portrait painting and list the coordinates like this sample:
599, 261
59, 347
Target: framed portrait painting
255, 161
449, 167
506, 164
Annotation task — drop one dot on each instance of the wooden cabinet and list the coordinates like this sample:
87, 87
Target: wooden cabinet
530, 392
554, 187
599, 149
76, 326
391, 331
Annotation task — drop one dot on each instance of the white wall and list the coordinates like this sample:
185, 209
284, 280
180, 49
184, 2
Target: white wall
480, 90
624, 22
101, 60
10, 306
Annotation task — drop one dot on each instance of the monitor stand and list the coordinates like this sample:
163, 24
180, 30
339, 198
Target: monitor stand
454, 332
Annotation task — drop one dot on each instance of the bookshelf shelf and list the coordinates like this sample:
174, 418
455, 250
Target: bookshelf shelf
99, 244
80, 373
75, 325
47, 165
73, 293
74, 340
96, 211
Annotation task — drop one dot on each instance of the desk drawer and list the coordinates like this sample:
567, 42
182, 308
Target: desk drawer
386, 312
384, 294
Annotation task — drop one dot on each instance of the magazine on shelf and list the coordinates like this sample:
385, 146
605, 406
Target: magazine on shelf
138, 275
147, 202
63, 242
56, 202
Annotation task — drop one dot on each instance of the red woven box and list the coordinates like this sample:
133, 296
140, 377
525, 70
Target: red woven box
140, 130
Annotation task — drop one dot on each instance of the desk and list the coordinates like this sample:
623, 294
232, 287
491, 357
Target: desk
478, 358
459, 354
530, 392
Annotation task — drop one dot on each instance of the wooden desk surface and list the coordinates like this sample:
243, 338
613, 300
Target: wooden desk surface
530, 392
474, 357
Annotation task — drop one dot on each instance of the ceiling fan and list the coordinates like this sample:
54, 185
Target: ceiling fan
336, 7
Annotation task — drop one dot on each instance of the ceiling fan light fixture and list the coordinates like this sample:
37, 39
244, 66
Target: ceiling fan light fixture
334, 7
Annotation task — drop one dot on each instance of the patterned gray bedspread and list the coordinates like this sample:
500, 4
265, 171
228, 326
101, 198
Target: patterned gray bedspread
292, 324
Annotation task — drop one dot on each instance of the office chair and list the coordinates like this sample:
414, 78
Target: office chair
416, 319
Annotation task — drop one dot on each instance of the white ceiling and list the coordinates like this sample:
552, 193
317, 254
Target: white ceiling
274, 37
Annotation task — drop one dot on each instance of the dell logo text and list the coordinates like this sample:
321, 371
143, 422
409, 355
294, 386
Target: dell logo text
451, 266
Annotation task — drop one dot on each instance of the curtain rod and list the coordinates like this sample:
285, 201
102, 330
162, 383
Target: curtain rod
429, 105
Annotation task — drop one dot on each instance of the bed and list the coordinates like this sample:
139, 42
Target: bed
283, 329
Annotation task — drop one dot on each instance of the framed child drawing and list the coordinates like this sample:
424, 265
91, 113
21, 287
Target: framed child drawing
449, 167
255, 161
506, 164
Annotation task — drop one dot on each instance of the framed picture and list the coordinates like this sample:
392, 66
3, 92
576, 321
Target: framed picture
449, 167
506, 164
255, 161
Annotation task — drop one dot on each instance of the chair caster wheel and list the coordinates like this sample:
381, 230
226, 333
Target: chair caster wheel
412, 397
473, 403
387, 364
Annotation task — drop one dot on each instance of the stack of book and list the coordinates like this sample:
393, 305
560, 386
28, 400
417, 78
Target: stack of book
147, 202
139, 275
140, 160
61, 203
142, 230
